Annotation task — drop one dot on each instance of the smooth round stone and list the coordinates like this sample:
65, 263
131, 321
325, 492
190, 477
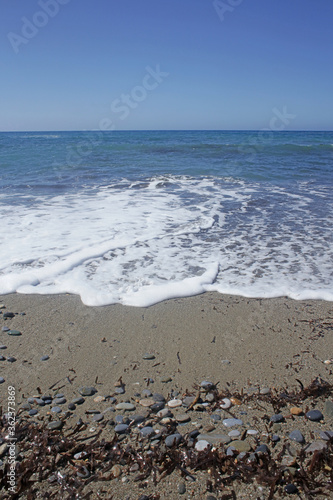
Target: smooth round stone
275, 438
188, 400
3, 347
119, 390
121, 428
33, 412
215, 417
278, 417
71, 406
25, 406
210, 397
119, 419
316, 446
234, 433
182, 488
265, 390
165, 412
5, 329
98, 417
147, 402
92, 412
182, 419
2, 380
87, 391
56, 409
32, 400
328, 408
297, 436
8, 315
326, 435
159, 398
59, 401
14, 333
45, 358
157, 407
57, 424
207, 386
314, 415
296, 411
263, 448
2, 358
148, 356
147, 431
252, 432
78, 401
225, 362
125, 406
290, 489
213, 438
202, 445
40, 402
137, 419
172, 440
146, 393
225, 403
231, 422
99, 399
174, 403
11, 359
80, 455
166, 380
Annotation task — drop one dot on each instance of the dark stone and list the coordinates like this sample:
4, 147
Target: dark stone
263, 448
314, 415
297, 436
87, 391
173, 440
278, 417
56, 425
8, 315
290, 489
121, 428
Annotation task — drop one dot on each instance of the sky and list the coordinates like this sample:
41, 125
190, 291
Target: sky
166, 64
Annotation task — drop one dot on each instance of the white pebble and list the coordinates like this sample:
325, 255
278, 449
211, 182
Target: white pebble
226, 404
201, 445
173, 403
252, 432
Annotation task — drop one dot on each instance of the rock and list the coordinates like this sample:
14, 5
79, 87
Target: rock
8, 315
297, 436
165, 412
125, 406
71, 406
5, 329
146, 402
290, 489
207, 386
174, 403
201, 445
235, 401
156, 407
296, 411
148, 356
56, 409
2, 358
55, 425
225, 403
98, 417
147, 431
59, 401
11, 359
121, 428
315, 446
263, 448
165, 380
116, 470
328, 408
275, 438
215, 417
146, 393
210, 397
87, 391
231, 422
78, 401
326, 435
252, 432
14, 333
3, 346
314, 415
99, 399
214, 438
2, 380
277, 418
234, 433
241, 446
181, 488
33, 412
159, 398
80, 455
173, 440
265, 390
183, 418
120, 390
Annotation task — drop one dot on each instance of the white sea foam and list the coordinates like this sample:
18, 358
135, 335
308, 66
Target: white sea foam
144, 242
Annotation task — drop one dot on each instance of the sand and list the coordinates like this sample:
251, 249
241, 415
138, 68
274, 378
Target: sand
231, 341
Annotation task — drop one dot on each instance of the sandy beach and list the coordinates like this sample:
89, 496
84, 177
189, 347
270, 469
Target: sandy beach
231, 341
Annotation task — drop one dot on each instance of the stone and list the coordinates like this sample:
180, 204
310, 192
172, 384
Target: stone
120, 390
165, 412
328, 408
173, 440
290, 489
166, 380
2, 358
56, 409
11, 359
188, 400
210, 397
207, 386
314, 415
125, 406
8, 315
5, 329
326, 435
55, 425
275, 438
71, 406
277, 418
99, 399
225, 403
263, 448
2, 380
146, 393
296, 411
80, 455
121, 428
148, 356
231, 422
87, 391
182, 488
315, 446
183, 418
147, 402
241, 446
215, 417
201, 445
265, 390
14, 333
174, 403
78, 401
214, 438
3, 346
234, 433
59, 401
98, 417
235, 401
297, 436
159, 398
252, 432
116, 470
156, 407
44, 358
147, 431
33, 412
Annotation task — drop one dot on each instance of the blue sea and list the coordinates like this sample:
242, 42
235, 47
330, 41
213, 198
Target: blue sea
140, 217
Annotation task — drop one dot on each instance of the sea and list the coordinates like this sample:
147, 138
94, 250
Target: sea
138, 217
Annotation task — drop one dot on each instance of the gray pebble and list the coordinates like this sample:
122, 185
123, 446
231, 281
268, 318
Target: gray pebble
119, 419
326, 435
147, 432
125, 406
215, 417
59, 395
47, 397
263, 448
56, 409
59, 401
11, 359
57, 424
328, 409
137, 419
297, 436
265, 390
158, 398
148, 356
33, 412
182, 488
146, 393
87, 391
278, 417
5, 329
40, 402
121, 428
8, 315
234, 433
2, 358
230, 422
44, 358
14, 333
207, 386
3, 346
119, 390
78, 401
2, 380
275, 438
314, 415
98, 417
71, 406
156, 407
213, 438
172, 440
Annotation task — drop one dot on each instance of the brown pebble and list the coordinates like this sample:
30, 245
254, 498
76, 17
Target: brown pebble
296, 411
146, 402
116, 470
235, 401
99, 399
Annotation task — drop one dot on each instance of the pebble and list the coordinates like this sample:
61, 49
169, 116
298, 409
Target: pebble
263, 448
3, 347
158, 397
278, 417
174, 403
214, 438
148, 356
146, 393
125, 406
80, 455
182, 488
98, 417
315, 446
297, 436
14, 333
241, 446
120, 390
8, 315
78, 401
99, 399
326, 435
201, 445
207, 386
87, 391
173, 439
275, 438
314, 415
290, 489
57, 424
265, 390
121, 428
230, 422
2, 380
56, 409
183, 418
11, 359
252, 432
157, 407
165, 412
328, 409
235, 401
33, 412
71, 406
44, 358
215, 417
147, 402
116, 470
2, 358
226, 403
5, 329
147, 431
234, 433
296, 411
59, 401
225, 362
165, 380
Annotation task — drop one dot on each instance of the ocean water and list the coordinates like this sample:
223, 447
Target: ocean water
140, 217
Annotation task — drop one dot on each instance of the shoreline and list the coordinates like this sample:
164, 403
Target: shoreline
230, 339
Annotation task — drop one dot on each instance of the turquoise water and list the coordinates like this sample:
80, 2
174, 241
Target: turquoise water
139, 217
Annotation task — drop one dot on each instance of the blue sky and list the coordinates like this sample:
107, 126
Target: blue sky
165, 64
